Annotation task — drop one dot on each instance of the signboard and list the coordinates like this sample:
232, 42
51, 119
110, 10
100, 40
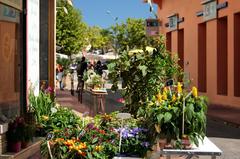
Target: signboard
209, 10
9, 14
173, 22
33, 44
152, 27
13, 3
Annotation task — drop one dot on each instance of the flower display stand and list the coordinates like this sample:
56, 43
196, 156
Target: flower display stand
3, 143
32, 151
126, 158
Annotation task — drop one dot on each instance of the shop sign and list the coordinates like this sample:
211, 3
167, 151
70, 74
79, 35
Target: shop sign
9, 14
13, 3
152, 27
173, 22
209, 10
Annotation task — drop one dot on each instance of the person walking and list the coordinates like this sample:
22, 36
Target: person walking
98, 68
81, 68
60, 75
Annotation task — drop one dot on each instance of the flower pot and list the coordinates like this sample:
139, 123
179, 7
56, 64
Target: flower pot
186, 142
162, 143
14, 146
29, 117
25, 144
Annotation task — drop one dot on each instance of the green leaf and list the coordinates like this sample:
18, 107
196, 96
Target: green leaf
160, 117
167, 117
95, 140
189, 110
143, 69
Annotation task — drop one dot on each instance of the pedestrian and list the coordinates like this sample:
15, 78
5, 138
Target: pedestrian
98, 68
60, 75
81, 68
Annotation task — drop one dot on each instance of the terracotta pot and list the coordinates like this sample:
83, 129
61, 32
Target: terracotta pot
14, 146
186, 142
162, 143
25, 144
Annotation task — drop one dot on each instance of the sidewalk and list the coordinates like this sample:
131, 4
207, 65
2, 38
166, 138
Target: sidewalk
65, 98
228, 115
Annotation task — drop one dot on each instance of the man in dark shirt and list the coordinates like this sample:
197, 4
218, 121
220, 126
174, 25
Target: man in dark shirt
82, 66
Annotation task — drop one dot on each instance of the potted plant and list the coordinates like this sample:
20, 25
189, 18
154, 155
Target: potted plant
177, 115
28, 134
15, 133
93, 80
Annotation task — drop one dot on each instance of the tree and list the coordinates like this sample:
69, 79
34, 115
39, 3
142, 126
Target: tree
71, 31
99, 38
131, 35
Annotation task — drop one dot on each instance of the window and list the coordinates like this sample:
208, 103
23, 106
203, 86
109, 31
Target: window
181, 48
169, 41
222, 58
202, 65
237, 55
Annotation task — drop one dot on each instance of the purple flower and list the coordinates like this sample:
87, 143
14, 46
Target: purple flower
90, 125
145, 144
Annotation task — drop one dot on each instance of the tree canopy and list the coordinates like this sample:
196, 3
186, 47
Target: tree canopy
130, 35
71, 30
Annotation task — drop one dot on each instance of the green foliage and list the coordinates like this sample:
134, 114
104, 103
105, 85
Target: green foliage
163, 116
130, 35
71, 31
40, 105
99, 38
143, 73
61, 119
64, 62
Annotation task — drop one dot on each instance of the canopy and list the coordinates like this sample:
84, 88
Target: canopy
148, 48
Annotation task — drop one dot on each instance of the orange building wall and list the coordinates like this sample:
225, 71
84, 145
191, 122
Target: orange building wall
188, 10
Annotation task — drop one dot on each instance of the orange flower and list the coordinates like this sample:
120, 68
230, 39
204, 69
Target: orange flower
174, 98
159, 97
165, 89
81, 153
59, 140
102, 132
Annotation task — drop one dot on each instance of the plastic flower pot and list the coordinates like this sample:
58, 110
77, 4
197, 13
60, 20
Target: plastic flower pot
14, 146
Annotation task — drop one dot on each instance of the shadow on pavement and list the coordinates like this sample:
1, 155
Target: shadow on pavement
220, 129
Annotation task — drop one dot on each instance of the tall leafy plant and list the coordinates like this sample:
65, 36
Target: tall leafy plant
143, 73
41, 105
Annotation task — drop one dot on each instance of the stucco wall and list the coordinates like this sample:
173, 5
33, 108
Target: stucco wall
188, 10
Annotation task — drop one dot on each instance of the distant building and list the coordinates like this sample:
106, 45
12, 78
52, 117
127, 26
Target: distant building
206, 36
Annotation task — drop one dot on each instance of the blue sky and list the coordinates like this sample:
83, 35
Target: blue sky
95, 11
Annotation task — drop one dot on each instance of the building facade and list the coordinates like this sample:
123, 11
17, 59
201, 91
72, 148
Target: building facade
206, 36
27, 39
